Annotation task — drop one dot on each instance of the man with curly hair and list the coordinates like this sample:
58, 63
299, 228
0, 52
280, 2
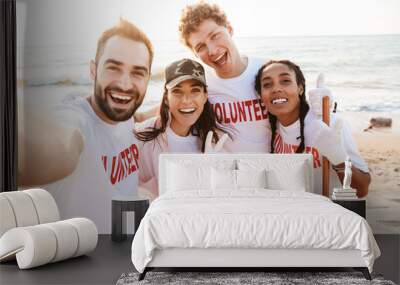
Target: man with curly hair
205, 29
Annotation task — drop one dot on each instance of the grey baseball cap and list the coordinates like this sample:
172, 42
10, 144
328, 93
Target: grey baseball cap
182, 70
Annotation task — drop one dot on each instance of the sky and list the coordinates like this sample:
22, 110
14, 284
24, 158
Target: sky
79, 22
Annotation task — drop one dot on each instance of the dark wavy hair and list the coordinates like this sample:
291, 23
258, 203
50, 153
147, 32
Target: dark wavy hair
304, 107
205, 123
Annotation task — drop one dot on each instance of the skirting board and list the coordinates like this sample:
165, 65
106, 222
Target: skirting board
232, 257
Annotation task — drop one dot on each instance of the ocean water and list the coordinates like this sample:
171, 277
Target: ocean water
363, 72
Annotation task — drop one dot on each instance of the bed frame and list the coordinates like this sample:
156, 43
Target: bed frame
246, 258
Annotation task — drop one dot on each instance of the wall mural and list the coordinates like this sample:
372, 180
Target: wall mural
54, 54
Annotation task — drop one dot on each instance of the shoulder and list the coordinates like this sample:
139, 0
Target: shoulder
154, 147
210, 74
149, 123
77, 104
73, 113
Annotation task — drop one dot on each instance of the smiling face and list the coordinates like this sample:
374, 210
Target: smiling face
121, 76
186, 103
280, 92
213, 44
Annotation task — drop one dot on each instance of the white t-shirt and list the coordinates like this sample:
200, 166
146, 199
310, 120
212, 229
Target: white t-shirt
167, 142
179, 144
108, 166
288, 138
236, 104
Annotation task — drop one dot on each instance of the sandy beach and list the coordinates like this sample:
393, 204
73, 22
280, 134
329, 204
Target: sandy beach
380, 148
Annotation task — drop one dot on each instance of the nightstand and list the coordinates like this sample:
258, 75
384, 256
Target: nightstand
121, 206
357, 206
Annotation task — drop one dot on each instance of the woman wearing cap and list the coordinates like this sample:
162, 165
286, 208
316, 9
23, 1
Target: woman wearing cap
186, 121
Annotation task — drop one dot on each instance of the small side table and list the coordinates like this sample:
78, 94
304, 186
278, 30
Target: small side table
357, 206
121, 205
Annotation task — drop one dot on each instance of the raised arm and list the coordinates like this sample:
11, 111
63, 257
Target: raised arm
336, 144
48, 151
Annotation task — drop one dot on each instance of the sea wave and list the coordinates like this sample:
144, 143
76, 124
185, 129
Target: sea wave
392, 107
156, 76
159, 77
366, 84
66, 81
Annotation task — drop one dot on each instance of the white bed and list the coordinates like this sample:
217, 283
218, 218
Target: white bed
201, 223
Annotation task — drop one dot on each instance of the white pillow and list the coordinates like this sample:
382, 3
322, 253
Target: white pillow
184, 177
223, 179
293, 180
288, 174
251, 178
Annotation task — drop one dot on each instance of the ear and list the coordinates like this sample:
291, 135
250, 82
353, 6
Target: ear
229, 28
194, 52
93, 68
301, 89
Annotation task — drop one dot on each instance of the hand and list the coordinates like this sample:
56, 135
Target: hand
209, 148
315, 96
329, 142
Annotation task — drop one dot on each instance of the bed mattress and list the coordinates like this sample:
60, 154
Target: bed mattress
250, 219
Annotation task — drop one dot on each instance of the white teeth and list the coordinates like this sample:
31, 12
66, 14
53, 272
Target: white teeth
120, 97
279, 101
187, 110
218, 59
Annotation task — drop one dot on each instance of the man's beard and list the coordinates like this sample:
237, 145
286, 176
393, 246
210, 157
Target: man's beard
117, 115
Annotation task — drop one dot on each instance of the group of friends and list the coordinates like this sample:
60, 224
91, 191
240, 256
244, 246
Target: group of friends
99, 147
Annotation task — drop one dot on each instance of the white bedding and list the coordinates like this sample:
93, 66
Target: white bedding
251, 218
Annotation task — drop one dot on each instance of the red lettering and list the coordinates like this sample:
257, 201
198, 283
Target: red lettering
226, 119
121, 169
114, 171
264, 112
315, 154
242, 112
135, 151
128, 162
286, 148
248, 104
124, 161
233, 117
218, 112
132, 167
281, 147
104, 158
123, 164
278, 144
256, 109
